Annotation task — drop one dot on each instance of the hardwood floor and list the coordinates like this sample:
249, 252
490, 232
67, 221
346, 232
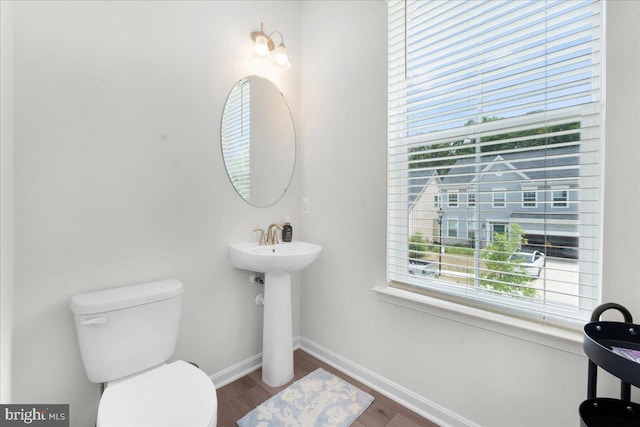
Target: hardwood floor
241, 396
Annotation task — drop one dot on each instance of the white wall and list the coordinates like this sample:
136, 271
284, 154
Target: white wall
486, 377
119, 176
6, 198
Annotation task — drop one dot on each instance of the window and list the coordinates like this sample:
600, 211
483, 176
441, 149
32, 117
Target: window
452, 200
471, 231
452, 227
498, 228
529, 199
471, 199
560, 198
502, 99
436, 201
499, 198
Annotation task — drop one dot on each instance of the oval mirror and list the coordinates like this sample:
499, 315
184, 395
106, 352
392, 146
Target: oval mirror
258, 141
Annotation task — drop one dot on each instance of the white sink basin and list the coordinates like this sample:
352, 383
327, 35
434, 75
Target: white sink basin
280, 258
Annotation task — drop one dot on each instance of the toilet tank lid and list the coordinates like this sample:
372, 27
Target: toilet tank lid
125, 296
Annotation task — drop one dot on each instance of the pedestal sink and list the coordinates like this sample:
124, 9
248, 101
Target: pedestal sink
277, 262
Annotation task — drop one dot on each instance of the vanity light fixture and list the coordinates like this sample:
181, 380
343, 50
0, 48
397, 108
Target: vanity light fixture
263, 46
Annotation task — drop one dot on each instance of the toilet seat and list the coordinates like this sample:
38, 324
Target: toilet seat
177, 394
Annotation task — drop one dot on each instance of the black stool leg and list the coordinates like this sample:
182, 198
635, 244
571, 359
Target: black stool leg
592, 380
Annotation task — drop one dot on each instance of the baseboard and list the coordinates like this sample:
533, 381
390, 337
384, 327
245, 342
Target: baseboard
239, 370
393, 391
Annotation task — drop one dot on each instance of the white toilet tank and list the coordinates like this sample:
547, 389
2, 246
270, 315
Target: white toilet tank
126, 330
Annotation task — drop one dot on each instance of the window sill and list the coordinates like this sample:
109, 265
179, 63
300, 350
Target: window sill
521, 329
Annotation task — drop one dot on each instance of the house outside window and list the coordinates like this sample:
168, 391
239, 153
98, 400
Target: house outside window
423, 207
487, 100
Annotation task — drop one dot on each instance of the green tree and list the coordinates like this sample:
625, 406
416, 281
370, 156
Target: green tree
505, 274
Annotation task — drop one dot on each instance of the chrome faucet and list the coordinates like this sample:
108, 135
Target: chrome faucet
261, 241
272, 234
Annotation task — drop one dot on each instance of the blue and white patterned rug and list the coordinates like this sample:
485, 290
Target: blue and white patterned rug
319, 399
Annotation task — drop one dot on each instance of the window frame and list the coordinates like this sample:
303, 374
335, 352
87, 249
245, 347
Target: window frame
530, 204
560, 204
471, 203
472, 229
496, 203
503, 202
492, 227
451, 195
450, 221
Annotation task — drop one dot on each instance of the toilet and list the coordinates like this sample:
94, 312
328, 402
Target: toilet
126, 336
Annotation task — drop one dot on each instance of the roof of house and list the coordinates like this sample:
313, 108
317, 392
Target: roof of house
535, 165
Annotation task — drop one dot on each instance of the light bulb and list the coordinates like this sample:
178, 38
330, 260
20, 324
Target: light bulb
280, 57
261, 46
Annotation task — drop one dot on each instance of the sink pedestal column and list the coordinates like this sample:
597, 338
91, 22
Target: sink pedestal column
277, 330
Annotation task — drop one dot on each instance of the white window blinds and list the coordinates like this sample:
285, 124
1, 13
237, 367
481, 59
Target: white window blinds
490, 101
236, 137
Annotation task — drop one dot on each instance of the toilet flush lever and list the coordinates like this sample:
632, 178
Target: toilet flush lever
96, 321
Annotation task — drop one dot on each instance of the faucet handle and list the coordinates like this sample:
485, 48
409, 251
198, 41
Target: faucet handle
261, 241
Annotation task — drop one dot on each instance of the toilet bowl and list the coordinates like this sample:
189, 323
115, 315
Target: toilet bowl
125, 336
177, 394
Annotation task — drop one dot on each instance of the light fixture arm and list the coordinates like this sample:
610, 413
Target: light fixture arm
281, 37
269, 37
264, 46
